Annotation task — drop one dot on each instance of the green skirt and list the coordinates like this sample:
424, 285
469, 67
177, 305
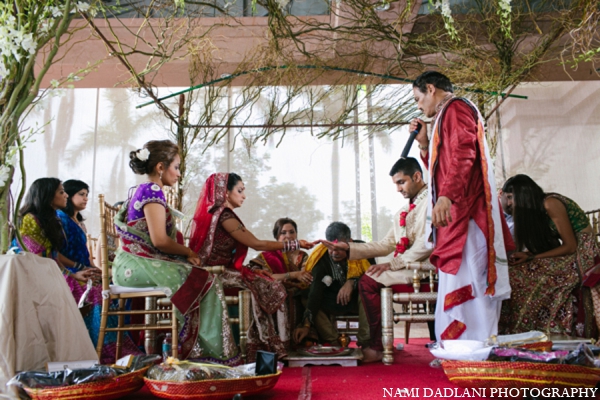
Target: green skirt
214, 340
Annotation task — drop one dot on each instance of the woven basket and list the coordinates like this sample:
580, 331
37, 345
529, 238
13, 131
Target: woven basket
507, 374
113, 388
213, 389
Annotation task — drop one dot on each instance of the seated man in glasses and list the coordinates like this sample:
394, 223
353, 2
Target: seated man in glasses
334, 289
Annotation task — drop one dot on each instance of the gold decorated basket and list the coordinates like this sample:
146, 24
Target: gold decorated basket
212, 389
519, 374
113, 388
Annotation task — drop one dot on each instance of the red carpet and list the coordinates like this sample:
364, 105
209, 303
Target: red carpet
410, 370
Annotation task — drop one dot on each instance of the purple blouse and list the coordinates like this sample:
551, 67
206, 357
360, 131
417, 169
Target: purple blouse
147, 192
136, 238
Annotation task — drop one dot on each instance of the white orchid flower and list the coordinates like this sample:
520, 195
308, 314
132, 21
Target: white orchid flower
4, 175
82, 7
143, 154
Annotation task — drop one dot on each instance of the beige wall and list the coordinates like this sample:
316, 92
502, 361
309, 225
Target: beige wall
554, 137
229, 42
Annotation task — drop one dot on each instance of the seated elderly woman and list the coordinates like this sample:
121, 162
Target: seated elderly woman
555, 250
334, 290
287, 267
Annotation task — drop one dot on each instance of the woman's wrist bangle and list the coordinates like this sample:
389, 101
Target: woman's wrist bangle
287, 276
423, 147
290, 245
530, 258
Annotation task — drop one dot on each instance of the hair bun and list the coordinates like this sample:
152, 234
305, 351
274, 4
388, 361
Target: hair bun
137, 166
144, 161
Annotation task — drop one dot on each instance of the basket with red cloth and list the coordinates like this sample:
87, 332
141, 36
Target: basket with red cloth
212, 389
175, 379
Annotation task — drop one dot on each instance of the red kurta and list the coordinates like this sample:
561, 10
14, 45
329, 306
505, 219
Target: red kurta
458, 176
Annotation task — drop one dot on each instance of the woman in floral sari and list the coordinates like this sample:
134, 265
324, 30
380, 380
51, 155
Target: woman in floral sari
556, 249
75, 256
150, 256
220, 238
289, 269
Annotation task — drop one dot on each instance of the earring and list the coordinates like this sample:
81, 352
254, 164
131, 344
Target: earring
160, 175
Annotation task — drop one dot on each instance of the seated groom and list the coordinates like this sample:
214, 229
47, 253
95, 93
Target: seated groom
404, 240
334, 289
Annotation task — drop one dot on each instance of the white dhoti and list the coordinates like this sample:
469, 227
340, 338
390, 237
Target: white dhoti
479, 314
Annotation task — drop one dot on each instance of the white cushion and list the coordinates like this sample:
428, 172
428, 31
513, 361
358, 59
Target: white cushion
116, 289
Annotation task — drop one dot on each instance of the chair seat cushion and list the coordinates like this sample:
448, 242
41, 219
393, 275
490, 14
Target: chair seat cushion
116, 289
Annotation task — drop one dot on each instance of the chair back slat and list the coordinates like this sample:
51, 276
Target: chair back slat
172, 198
594, 217
109, 239
92, 246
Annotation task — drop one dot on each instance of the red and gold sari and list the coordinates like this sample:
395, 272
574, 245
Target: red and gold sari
216, 246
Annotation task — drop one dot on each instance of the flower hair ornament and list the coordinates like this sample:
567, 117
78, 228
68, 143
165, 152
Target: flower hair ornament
143, 154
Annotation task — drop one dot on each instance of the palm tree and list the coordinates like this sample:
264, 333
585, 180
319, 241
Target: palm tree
119, 142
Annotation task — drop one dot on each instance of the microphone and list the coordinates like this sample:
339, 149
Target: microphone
410, 141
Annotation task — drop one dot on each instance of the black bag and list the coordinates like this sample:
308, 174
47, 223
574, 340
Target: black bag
266, 363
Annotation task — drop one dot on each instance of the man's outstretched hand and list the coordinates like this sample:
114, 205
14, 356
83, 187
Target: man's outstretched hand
378, 269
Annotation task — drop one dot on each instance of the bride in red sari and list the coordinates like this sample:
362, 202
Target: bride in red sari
220, 238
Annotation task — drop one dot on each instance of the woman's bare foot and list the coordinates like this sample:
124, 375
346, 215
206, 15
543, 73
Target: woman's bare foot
370, 355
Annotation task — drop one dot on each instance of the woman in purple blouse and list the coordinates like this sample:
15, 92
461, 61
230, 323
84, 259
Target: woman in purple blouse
151, 256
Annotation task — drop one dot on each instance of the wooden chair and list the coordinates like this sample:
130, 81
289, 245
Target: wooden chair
158, 311
418, 306
594, 217
92, 246
350, 324
172, 198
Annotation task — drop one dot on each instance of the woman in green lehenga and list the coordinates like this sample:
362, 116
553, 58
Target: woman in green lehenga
556, 251
152, 256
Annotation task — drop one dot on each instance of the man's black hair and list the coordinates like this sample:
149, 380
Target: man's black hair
434, 78
408, 166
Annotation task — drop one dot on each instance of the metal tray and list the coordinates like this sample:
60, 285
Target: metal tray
326, 351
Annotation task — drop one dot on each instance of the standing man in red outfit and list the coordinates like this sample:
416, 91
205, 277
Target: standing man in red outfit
464, 222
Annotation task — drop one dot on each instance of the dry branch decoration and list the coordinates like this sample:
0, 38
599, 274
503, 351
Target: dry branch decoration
297, 75
31, 34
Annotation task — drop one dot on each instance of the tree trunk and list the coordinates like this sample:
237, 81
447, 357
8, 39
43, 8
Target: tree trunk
4, 215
